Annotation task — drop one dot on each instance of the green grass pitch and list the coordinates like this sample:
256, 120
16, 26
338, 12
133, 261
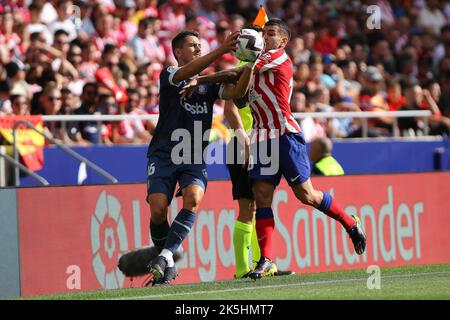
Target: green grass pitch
412, 282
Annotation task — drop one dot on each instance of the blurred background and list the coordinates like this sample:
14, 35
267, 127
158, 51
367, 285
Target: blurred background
366, 56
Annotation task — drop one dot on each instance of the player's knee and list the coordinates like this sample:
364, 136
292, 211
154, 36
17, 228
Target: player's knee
158, 207
158, 214
192, 199
263, 197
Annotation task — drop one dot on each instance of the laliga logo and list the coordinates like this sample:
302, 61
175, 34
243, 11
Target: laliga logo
108, 240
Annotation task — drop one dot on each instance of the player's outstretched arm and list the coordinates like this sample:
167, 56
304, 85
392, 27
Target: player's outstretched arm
198, 65
224, 76
238, 90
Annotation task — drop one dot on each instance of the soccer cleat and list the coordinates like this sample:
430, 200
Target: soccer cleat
245, 275
157, 267
264, 267
169, 274
358, 236
136, 263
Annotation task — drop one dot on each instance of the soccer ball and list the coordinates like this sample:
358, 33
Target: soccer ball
250, 45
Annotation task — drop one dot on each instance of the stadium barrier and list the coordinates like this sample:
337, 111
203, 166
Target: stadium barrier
364, 116
128, 163
70, 233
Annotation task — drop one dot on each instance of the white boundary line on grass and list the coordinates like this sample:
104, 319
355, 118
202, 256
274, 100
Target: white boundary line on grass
168, 295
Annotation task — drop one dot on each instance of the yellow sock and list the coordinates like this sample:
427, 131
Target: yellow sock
242, 237
256, 252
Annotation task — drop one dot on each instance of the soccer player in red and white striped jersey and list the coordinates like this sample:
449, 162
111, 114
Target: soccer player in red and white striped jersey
270, 94
277, 132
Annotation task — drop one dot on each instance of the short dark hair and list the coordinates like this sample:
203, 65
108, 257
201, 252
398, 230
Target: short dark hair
35, 36
109, 48
5, 86
178, 41
144, 23
60, 32
14, 97
254, 27
90, 84
281, 24
12, 69
65, 90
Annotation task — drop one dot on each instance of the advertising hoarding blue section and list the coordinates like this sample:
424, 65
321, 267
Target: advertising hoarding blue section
128, 163
9, 248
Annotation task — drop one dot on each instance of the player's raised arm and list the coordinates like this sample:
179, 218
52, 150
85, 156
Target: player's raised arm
224, 76
240, 88
197, 65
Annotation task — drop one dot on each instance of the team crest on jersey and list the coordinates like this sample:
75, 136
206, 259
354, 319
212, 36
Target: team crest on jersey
202, 89
265, 57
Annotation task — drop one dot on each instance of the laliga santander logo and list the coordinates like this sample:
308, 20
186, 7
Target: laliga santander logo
108, 240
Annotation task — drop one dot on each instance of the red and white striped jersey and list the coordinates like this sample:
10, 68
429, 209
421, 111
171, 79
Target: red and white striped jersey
269, 96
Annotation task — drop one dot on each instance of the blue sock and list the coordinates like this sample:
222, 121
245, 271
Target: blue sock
264, 213
159, 233
179, 229
326, 202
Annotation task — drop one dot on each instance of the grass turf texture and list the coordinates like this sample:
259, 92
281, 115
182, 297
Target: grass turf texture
411, 282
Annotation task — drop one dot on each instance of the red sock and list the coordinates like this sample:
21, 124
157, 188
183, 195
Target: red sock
337, 213
264, 230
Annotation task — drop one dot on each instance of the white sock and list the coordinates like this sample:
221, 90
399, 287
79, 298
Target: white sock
169, 257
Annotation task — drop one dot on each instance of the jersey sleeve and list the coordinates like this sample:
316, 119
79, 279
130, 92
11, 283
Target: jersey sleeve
270, 61
166, 77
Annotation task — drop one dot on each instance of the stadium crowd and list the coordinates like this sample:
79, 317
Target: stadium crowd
344, 60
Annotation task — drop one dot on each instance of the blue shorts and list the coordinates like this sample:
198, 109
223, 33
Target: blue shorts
286, 155
163, 175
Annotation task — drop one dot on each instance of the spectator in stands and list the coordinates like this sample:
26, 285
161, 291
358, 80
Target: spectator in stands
125, 9
323, 163
86, 30
301, 76
64, 9
20, 105
9, 40
315, 127
61, 64
16, 74
212, 10
419, 99
350, 88
298, 101
49, 103
105, 32
413, 44
153, 100
317, 79
132, 130
431, 17
5, 103
89, 62
36, 24
145, 44
173, 15
89, 131
328, 37
111, 59
237, 22
372, 99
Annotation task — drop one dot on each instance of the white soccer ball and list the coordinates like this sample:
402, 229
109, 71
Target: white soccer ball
250, 45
